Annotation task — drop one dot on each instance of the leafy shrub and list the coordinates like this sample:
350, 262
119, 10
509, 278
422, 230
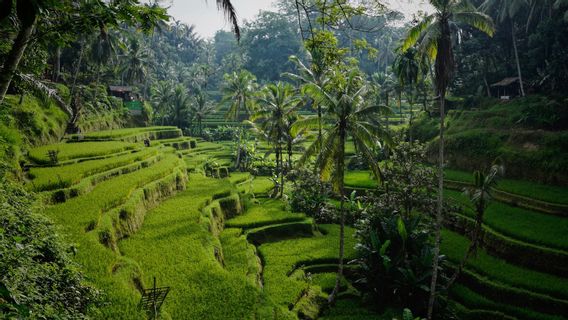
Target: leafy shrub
38, 278
425, 128
221, 133
395, 259
309, 195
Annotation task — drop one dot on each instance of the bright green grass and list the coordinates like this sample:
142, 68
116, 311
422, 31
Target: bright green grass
360, 179
174, 247
262, 185
239, 177
48, 178
473, 300
521, 224
240, 256
104, 268
553, 194
455, 245
69, 151
282, 257
270, 211
119, 133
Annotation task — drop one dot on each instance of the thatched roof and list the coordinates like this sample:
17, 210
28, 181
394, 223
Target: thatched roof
505, 82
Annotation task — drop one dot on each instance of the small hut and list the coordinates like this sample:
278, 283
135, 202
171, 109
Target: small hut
123, 92
507, 88
129, 98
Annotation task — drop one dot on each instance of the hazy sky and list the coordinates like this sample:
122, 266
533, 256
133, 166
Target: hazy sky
207, 19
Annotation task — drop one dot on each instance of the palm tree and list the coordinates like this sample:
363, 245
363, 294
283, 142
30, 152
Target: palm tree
277, 106
433, 38
238, 91
408, 70
161, 97
348, 115
180, 106
480, 194
201, 109
507, 10
313, 75
136, 62
103, 50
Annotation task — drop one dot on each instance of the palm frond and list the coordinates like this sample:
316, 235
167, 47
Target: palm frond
416, 32
478, 20
231, 15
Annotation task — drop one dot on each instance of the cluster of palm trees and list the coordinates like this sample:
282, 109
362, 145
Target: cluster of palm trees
339, 94
177, 105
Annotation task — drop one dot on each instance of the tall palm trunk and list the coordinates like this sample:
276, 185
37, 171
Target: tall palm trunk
56, 65
281, 169
238, 161
438, 221
472, 246
289, 166
514, 39
340, 167
15, 55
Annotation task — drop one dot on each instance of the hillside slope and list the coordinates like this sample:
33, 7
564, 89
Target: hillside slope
529, 134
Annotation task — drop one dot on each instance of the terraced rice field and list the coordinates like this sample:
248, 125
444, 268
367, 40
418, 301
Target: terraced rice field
520, 273
138, 201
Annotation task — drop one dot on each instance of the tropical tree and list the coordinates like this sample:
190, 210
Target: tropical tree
27, 12
409, 70
180, 105
507, 10
277, 106
433, 38
480, 195
135, 63
238, 93
104, 49
161, 95
347, 115
201, 108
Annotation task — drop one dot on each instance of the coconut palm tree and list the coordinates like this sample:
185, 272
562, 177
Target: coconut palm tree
239, 93
180, 104
201, 108
313, 75
161, 96
507, 10
347, 115
433, 38
135, 64
277, 106
409, 69
480, 195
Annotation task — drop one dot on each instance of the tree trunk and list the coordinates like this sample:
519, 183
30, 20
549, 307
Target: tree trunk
281, 170
514, 39
387, 104
438, 221
472, 246
97, 78
340, 164
289, 154
487, 88
56, 65
238, 161
14, 56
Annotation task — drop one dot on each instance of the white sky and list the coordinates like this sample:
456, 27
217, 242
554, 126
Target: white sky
207, 19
